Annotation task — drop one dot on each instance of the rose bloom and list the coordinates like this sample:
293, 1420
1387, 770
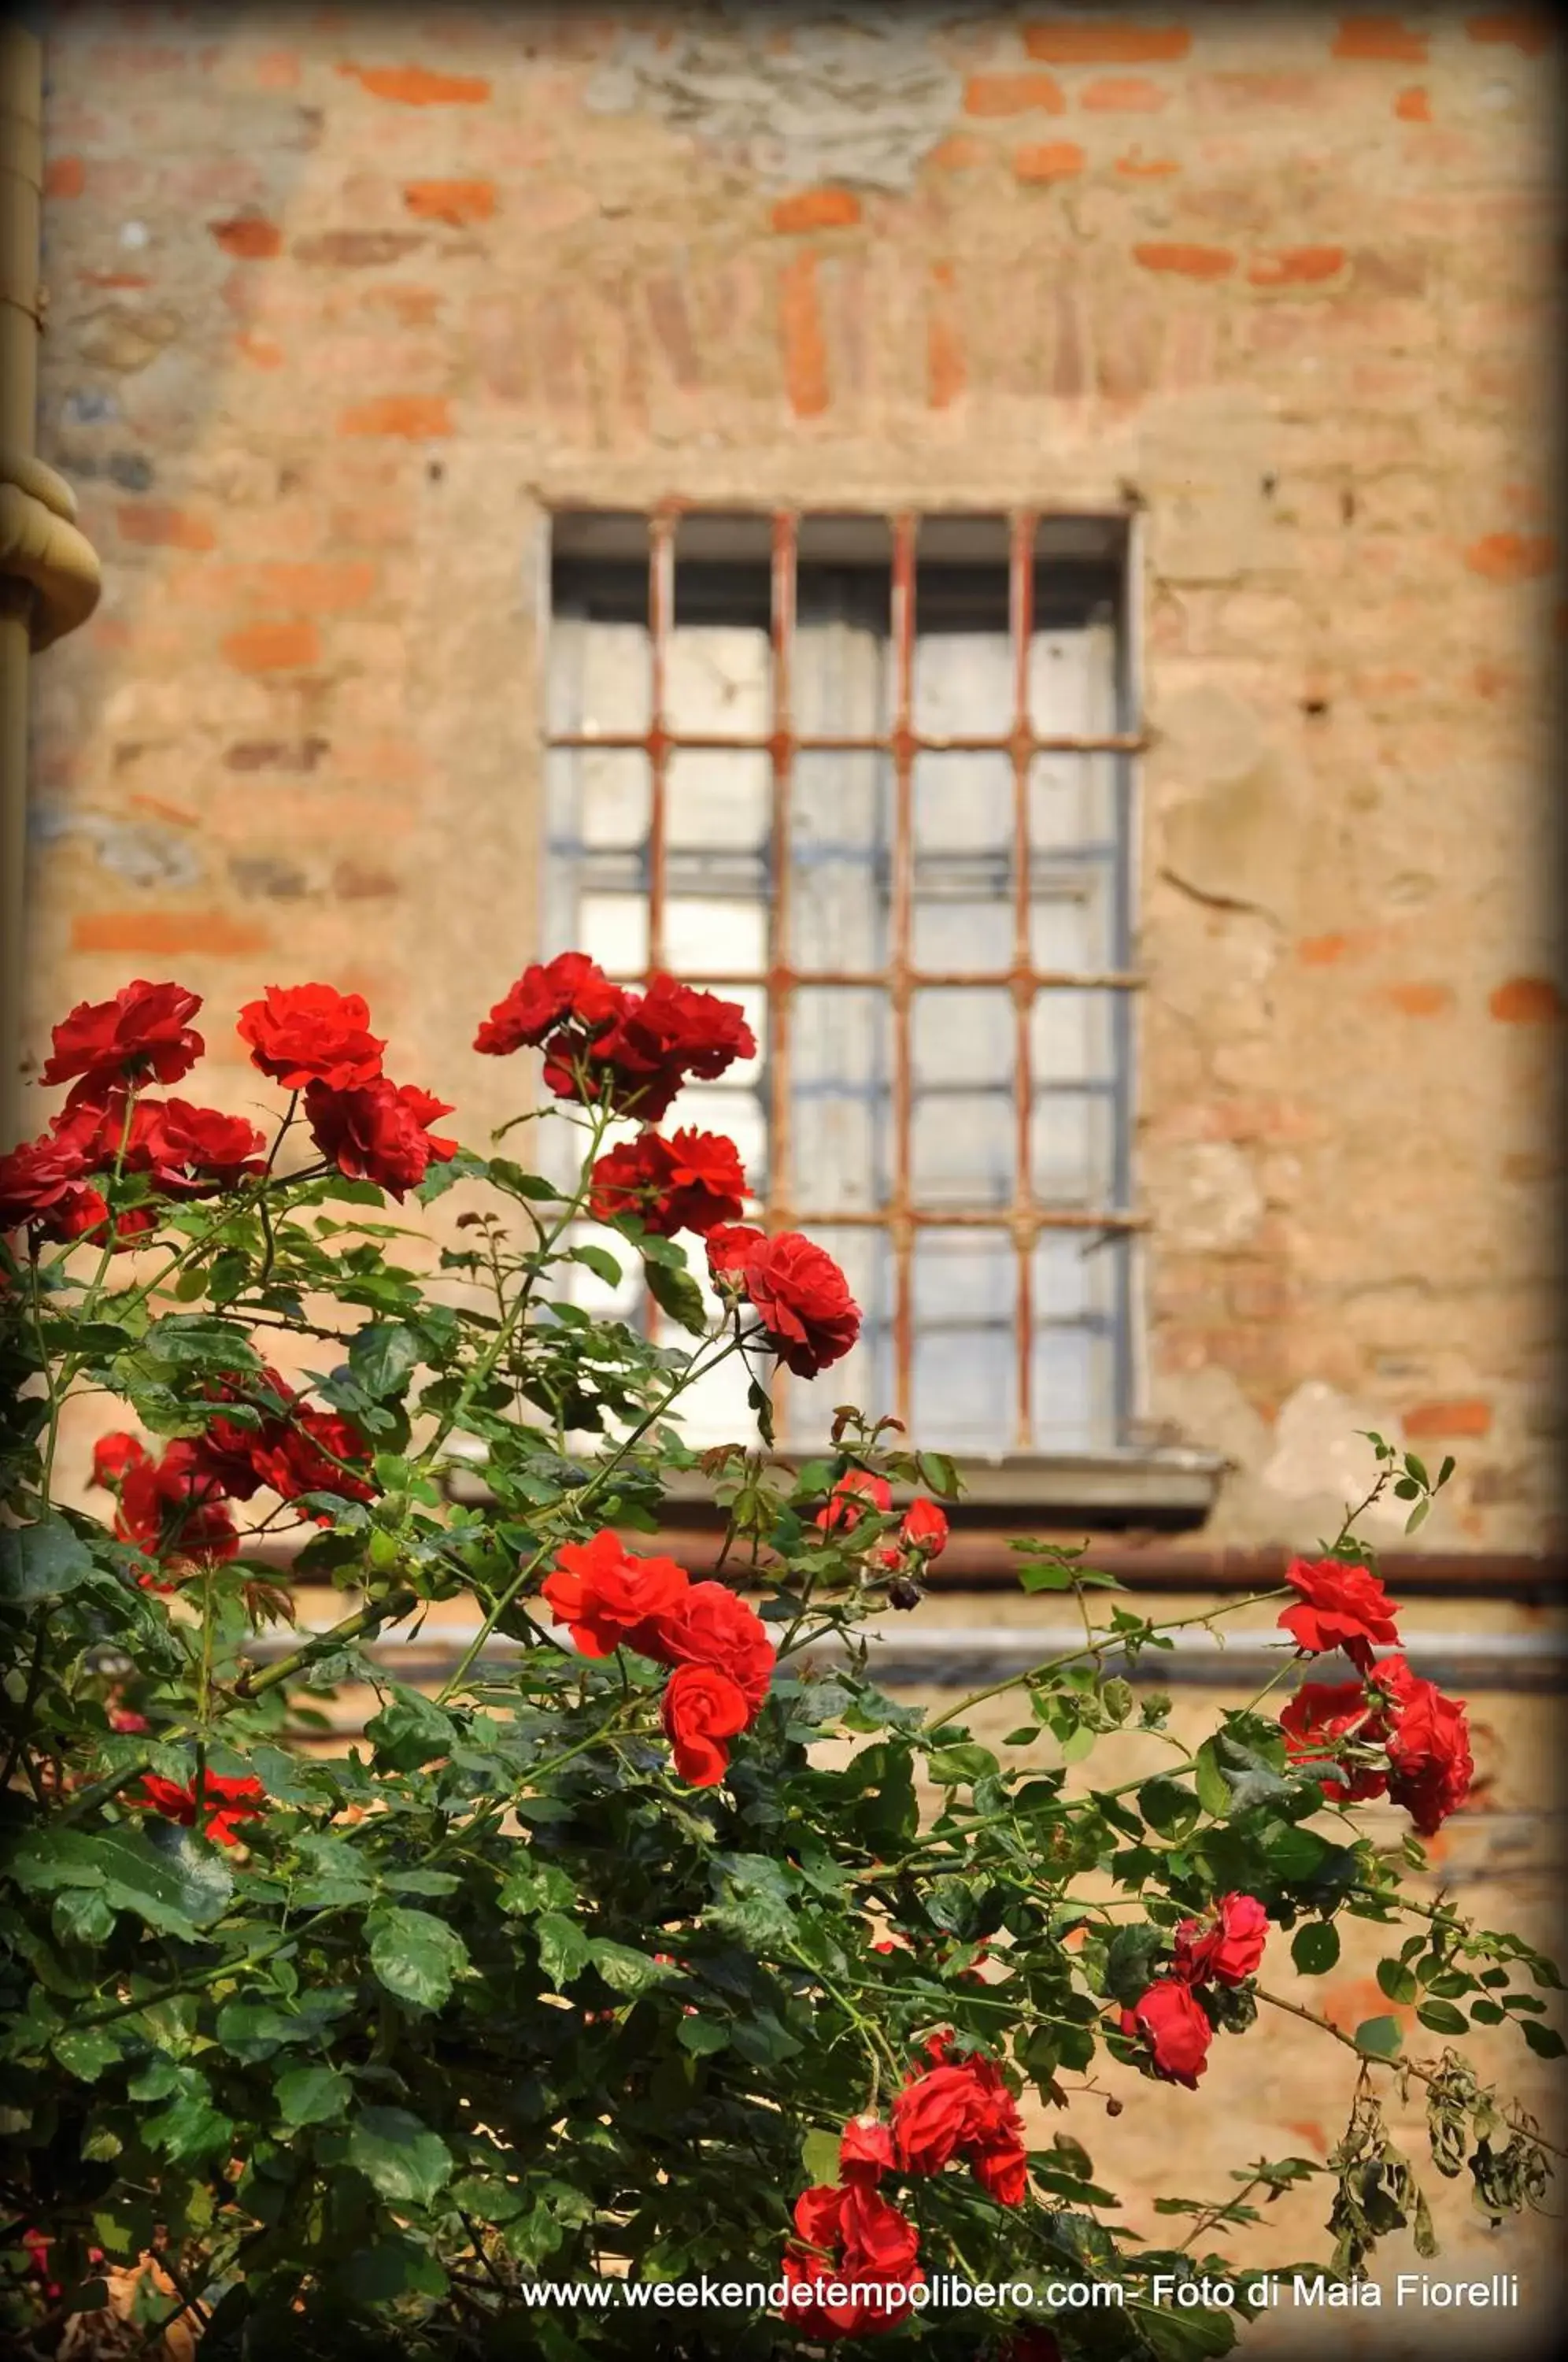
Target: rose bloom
1342, 1607
866, 2240
229, 1451
608, 1597
879, 2244
925, 1529
315, 1452
144, 1030
226, 1803
43, 1184
845, 1504
114, 1455
1319, 1714
701, 1708
172, 1507
190, 1150
302, 1033
1430, 1764
708, 1626
866, 2151
570, 990
689, 1182
657, 1041
379, 1132
1174, 2027
797, 1291
1227, 1953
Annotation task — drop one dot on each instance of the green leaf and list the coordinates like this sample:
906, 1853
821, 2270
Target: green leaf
1316, 1948
190, 2126
194, 1341
1398, 1981
819, 2155
702, 2035
1213, 1788
415, 1956
563, 1949
623, 1969
312, 2095
410, 1732
41, 1561
1442, 2016
404, 2161
174, 1880
677, 1293
84, 2051
1544, 2040
1168, 1806
382, 1356
949, 1766
1379, 2037
599, 1261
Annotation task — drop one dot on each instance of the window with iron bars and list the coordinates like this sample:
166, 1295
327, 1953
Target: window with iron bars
872, 778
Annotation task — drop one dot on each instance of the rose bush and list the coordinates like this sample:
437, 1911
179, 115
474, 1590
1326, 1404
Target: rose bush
598, 1962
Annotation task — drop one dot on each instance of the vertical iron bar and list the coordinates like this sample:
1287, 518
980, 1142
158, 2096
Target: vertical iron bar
1020, 625
661, 614
900, 1226
780, 978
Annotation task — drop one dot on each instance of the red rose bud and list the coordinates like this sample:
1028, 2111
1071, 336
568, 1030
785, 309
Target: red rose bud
302, 1033
867, 2150
1228, 1951
609, 1598
924, 1530
144, 1031
1342, 1607
847, 1502
701, 1709
1176, 2030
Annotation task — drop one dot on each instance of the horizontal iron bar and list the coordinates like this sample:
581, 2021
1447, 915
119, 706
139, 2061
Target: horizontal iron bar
1115, 742
996, 979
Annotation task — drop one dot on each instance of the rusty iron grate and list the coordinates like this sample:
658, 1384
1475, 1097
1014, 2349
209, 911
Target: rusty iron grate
901, 1213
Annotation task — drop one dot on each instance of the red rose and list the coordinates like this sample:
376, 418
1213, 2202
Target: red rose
224, 1801
122, 1719
317, 1451
379, 1133
42, 1184
797, 1291
1323, 1712
189, 1149
866, 2151
1227, 1952
571, 990
1430, 1764
145, 1030
867, 2241
817, 2213
879, 2244
1342, 1607
228, 1450
844, 1506
931, 2118
637, 1048
701, 1709
708, 1626
303, 1033
607, 1598
173, 1508
924, 1530
1176, 2030
114, 1456
688, 1182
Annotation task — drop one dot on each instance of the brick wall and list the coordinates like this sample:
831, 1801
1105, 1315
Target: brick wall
343, 299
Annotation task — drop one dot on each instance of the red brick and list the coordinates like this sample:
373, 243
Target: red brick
1013, 94
800, 332
271, 648
1518, 30
811, 209
1511, 556
155, 526
1418, 999
1379, 37
1527, 1000
1469, 1416
261, 352
959, 153
1191, 262
248, 236
322, 589
1413, 106
167, 934
64, 176
419, 85
455, 203
1297, 266
1322, 950
1106, 43
1123, 94
1134, 167
1055, 160
413, 416
276, 70
945, 374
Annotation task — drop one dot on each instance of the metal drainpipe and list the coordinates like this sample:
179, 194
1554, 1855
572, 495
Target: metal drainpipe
49, 573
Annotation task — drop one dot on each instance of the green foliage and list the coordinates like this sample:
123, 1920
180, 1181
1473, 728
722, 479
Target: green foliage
497, 1993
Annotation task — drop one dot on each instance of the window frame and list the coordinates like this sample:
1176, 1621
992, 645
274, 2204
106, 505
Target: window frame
1024, 1220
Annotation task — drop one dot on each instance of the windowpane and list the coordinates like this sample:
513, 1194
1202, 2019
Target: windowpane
965, 1381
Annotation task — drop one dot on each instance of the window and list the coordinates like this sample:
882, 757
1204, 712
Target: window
872, 779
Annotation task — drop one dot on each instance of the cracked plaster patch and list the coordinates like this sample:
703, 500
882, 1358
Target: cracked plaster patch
853, 96
1321, 1454
142, 857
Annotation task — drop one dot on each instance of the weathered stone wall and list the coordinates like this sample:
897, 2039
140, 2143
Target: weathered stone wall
343, 300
